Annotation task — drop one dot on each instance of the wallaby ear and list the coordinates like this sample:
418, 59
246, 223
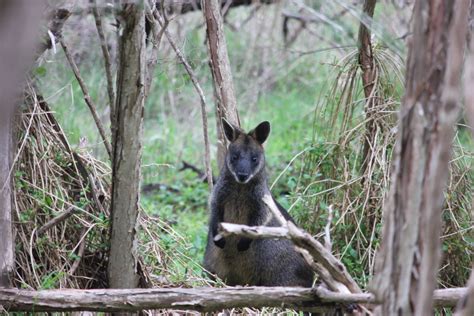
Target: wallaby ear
261, 132
229, 130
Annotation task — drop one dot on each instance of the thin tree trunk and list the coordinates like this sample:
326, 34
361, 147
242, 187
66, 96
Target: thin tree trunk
466, 305
127, 148
226, 103
408, 261
366, 61
6, 236
19, 21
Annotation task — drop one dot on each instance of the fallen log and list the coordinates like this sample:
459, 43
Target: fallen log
200, 299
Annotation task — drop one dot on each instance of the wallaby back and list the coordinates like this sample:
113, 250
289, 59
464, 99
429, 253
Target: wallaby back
237, 198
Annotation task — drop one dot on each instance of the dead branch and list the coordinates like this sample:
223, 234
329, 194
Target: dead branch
301, 239
197, 86
150, 187
87, 97
107, 62
319, 253
56, 220
201, 174
226, 102
157, 31
200, 299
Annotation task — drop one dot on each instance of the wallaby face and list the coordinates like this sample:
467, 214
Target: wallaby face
245, 157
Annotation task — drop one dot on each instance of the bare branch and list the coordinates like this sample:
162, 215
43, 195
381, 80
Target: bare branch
87, 97
320, 254
56, 220
200, 92
107, 62
301, 239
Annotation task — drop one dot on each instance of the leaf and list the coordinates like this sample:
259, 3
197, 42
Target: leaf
40, 71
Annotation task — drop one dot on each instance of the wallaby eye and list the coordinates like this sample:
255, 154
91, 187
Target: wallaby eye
254, 158
234, 157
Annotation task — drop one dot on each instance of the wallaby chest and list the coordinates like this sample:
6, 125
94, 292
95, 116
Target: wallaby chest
239, 206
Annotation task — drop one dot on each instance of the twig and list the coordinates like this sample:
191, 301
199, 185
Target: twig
94, 194
87, 97
201, 174
156, 41
200, 92
150, 187
107, 62
56, 220
80, 252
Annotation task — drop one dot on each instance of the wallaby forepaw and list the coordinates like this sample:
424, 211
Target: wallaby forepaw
244, 244
219, 241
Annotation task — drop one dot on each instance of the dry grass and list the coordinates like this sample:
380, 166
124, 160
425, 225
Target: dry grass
61, 202
337, 172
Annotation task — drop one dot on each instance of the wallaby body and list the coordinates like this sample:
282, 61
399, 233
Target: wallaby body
237, 198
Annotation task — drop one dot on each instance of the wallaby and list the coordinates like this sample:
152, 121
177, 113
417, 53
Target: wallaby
237, 198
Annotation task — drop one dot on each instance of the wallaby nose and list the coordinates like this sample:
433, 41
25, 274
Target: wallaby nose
242, 176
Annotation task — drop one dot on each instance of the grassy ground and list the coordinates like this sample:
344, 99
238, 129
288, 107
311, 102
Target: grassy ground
283, 85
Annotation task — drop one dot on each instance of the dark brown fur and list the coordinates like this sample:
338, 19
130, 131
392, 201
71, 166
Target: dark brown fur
237, 198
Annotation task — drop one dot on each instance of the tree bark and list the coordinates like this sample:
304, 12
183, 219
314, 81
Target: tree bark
226, 103
200, 299
6, 236
409, 257
19, 21
127, 148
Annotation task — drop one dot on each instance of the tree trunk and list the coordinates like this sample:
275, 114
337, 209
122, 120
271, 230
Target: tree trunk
6, 236
127, 148
409, 257
226, 103
19, 20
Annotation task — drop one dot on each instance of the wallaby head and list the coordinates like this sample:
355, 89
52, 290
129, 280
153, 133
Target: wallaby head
245, 156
